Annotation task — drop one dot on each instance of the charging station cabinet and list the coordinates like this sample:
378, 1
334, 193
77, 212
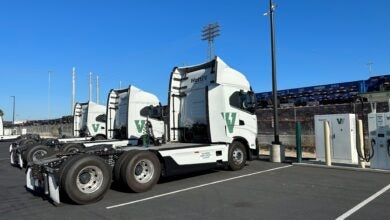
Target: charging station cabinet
342, 138
379, 138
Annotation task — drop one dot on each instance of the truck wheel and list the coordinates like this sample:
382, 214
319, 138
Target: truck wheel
71, 148
237, 156
141, 171
28, 142
85, 179
37, 152
119, 163
24, 149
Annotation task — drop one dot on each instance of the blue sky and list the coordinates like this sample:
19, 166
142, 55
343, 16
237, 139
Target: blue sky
139, 43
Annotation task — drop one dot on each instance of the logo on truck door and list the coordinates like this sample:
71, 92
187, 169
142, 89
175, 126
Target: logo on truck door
230, 118
340, 121
140, 124
95, 127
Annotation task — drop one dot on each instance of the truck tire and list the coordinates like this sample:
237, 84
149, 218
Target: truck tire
98, 137
28, 142
85, 179
119, 163
237, 156
141, 171
25, 148
71, 148
37, 152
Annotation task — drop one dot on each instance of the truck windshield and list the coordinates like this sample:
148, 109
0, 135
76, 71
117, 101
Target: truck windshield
244, 100
155, 112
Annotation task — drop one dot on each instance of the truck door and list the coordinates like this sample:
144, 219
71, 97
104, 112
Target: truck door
219, 118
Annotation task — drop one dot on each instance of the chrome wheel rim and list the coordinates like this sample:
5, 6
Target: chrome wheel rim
238, 156
39, 154
89, 179
143, 171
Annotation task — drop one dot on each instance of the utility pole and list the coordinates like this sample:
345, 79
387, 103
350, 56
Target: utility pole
210, 32
73, 87
369, 64
120, 84
277, 151
97, 89
13, 111
48, 97
90, 86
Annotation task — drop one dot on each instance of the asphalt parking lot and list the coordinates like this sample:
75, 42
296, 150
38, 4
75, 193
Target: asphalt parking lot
262, 190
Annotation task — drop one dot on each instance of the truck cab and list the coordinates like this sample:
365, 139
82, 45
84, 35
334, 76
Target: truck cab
89, 120
212, 103
128, 114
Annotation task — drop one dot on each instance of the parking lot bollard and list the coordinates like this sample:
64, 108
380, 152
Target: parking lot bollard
327, 143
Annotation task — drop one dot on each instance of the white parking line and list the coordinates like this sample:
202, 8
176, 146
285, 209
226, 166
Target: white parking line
363, 203
195, 187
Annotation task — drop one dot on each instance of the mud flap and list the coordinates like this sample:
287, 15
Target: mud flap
29, 180
12, 158
54, 191
20, 160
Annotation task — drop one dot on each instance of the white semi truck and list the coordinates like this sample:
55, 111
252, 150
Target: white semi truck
88, 124
211, 122
3, 136
121, 121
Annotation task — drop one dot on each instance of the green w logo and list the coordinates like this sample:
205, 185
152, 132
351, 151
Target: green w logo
230, 118
95, 127
340, 121
140, 125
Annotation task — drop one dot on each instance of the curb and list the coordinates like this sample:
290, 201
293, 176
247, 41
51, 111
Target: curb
342, 168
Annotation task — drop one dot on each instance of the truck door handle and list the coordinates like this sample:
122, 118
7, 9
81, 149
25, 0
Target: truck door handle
241, 122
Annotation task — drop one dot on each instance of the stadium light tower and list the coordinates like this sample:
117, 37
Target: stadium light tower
210, 32
276, 150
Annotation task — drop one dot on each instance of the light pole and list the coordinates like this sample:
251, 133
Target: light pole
48, 96
210, 32
277, 151
13, 111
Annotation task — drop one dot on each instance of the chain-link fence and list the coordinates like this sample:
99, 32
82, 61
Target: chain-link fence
46, 130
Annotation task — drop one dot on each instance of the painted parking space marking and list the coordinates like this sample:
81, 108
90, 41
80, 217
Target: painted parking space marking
363, 203
195, 187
